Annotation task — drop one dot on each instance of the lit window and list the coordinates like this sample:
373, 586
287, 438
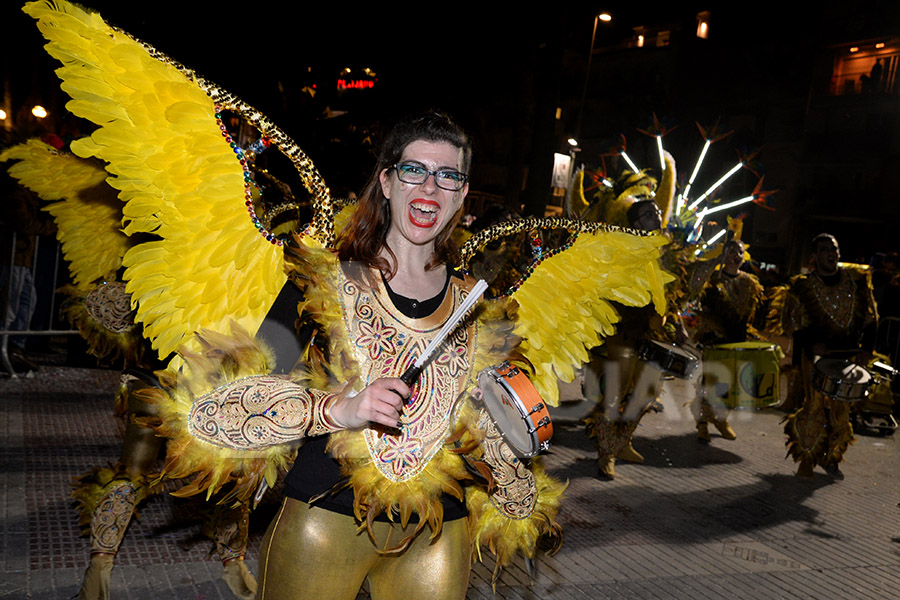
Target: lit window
703, 24
866, 69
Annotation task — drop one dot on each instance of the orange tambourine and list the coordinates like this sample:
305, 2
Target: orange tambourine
516, 408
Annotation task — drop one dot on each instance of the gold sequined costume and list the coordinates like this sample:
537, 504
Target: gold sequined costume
812, 311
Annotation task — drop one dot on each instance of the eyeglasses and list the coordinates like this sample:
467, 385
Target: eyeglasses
446, 179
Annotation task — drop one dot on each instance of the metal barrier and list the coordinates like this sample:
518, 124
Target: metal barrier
50, 312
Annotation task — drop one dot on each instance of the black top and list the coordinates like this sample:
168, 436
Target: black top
315, 472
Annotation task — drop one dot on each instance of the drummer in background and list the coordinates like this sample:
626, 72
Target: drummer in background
830, 310
620, 406
729, 302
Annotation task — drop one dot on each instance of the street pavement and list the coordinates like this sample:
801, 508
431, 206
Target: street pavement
727, 520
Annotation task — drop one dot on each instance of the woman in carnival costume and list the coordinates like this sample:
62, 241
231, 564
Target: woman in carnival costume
381, 461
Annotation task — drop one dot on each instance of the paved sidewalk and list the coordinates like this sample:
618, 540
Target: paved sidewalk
728, 520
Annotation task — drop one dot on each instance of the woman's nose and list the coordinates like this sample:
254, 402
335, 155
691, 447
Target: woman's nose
430, 183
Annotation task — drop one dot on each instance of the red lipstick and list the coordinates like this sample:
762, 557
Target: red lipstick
423, 213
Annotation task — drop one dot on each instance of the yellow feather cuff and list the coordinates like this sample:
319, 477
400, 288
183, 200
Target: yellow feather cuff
225, 359
505, 537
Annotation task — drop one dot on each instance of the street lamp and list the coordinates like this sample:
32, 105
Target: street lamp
606, 18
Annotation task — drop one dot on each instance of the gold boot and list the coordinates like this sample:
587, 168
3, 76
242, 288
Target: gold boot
230, 529
628, 453
95, 584
109, 520
606, 467
703, 433
725, 429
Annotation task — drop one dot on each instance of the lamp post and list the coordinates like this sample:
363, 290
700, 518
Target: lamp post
606, 18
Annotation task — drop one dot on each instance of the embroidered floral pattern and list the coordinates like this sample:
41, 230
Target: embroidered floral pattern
377, 330
515, 493
376, 337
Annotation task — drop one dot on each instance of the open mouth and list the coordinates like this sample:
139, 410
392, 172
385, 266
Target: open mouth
423, 213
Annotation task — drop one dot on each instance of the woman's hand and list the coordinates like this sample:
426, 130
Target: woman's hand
380, 402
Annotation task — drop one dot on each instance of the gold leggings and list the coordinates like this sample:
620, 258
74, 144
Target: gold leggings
310, 552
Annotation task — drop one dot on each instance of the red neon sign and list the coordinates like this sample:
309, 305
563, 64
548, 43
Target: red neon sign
355, 84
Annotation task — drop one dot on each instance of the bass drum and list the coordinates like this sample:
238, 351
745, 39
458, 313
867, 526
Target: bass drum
516, 408
742, 374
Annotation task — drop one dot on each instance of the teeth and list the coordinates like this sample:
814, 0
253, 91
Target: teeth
426, 209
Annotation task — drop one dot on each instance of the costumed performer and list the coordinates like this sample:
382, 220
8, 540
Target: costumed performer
381, 457
614, 373
829, 310
728, 305
88, 214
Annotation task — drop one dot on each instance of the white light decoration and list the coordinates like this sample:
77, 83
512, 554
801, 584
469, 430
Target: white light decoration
722, 207
630, 164
687, 188
710, 242
712, 188
662, 160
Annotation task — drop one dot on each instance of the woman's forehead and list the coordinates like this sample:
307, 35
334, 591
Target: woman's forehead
440, 154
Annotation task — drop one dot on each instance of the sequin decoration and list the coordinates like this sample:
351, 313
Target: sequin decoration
110, 306
385, 344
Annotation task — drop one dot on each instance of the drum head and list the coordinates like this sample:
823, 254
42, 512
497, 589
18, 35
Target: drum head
675, 349
500, 400
739, 346
842, 371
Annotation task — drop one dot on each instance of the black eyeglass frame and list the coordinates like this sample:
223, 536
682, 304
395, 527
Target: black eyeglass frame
429, 173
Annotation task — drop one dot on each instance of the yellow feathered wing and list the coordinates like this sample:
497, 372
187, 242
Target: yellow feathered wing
85, 209
565, 305
177, 175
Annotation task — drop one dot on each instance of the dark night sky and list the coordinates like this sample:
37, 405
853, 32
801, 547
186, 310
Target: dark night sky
473, 60
449, 55
463, 52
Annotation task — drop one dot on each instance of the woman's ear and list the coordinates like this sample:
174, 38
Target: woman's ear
385, 179
461, 195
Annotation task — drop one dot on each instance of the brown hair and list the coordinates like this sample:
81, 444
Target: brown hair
366, 231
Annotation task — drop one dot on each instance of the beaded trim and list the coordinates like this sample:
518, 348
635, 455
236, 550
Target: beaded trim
249, 182
506, 228
540, 255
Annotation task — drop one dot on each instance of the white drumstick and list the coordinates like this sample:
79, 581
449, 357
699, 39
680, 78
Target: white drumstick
412, 373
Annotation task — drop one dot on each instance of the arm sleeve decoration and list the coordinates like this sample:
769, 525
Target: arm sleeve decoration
260, 411
519, 506
228, 421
